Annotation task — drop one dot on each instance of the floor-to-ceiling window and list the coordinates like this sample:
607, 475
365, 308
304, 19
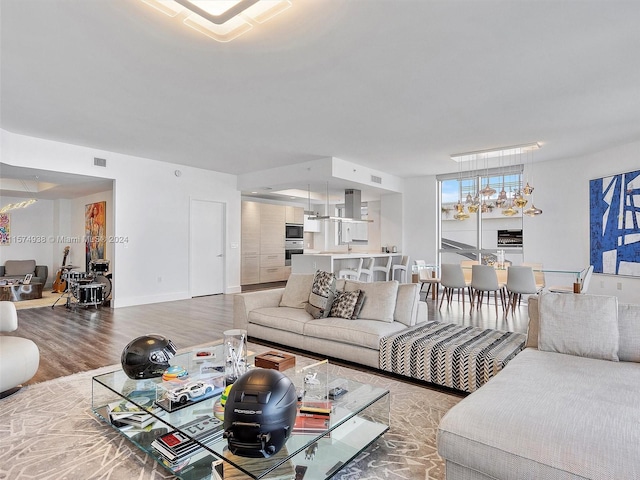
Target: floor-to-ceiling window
481, 215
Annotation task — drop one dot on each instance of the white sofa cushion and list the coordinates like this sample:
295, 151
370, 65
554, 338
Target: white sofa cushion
549, 416
407, 303
297, 290
379, 299
582, 325
361, 332
281, 318
629, 328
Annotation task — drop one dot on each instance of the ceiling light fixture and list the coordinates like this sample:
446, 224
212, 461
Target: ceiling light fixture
222, 20
494, 152
23, 204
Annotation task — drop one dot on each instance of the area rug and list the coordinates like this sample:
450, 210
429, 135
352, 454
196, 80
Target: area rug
48, 431
48, 299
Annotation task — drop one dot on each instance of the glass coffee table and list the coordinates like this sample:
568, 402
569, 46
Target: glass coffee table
358, 417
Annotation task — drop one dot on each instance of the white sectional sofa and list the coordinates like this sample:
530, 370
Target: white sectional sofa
567, 407
279, 316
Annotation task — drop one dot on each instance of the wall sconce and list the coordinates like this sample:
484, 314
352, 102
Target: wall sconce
222, 20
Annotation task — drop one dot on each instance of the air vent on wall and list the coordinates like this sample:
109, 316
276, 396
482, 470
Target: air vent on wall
100, 162
375, 179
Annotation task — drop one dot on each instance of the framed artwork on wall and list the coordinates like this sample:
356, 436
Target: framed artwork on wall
95, 231
614, 203
5, 229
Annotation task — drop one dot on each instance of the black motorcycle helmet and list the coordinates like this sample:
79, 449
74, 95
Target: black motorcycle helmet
259, 413
147, 356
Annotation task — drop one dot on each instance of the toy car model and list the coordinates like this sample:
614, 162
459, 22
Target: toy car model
189, 391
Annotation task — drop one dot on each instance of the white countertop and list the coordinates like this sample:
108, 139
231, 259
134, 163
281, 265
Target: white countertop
345, 255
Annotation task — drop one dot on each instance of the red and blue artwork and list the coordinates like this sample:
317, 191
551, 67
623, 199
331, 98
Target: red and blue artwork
615, 224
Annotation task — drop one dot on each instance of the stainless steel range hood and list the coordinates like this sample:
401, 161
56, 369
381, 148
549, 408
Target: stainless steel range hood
353, 208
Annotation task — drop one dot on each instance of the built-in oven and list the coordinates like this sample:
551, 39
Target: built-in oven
292, 247
294, 231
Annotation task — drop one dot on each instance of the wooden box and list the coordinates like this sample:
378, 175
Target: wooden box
275, 360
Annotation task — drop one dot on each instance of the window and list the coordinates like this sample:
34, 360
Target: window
470, 219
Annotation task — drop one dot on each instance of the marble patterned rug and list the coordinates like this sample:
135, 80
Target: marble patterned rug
48, 431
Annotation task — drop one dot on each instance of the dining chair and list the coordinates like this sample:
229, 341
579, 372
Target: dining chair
428, 276
484, 279
451, 279
402, 268
385, 269
466, 268
538, 273
367, 269
585, 280
520, 281
351, 273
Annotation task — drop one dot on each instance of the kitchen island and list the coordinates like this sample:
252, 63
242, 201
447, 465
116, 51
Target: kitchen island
335, 261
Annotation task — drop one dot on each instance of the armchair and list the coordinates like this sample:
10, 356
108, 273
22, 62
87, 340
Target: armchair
19, 357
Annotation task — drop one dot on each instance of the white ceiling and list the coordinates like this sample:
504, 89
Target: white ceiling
394, 85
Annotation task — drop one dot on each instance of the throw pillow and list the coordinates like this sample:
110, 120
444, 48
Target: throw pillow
358, 307
381, 299
344, 304
582, 325
296, 291
322, 294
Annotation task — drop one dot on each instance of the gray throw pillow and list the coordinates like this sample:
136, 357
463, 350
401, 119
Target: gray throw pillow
344, 304
581, 325
322, 294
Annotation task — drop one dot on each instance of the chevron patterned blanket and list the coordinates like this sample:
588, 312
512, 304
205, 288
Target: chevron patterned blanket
455, 356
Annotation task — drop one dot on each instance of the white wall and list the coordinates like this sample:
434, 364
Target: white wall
31, 229
559, 237
150, 210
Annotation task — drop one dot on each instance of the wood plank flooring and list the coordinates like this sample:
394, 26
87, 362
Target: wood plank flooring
81, 339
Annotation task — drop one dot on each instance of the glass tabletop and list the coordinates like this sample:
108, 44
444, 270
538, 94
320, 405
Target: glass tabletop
356, 419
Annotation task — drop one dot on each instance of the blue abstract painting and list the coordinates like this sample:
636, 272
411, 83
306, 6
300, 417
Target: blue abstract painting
615, 224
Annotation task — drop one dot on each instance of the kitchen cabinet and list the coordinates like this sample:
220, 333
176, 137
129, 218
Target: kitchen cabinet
271, 228
250, 269
250, 225
262, 257
311, 225
294, 215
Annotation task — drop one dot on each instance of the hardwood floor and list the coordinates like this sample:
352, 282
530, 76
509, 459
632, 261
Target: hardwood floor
81, 339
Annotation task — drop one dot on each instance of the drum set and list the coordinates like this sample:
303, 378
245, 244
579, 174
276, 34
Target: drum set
91, 288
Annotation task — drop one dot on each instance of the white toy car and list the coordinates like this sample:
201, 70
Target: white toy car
189, 391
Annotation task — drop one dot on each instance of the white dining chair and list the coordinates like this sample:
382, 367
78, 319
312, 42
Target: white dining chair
538, 273
520, 281
452, 279
484, 279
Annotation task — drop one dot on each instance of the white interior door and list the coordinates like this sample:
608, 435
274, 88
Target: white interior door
207, 263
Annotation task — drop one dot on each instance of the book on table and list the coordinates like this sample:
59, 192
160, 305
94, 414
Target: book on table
178, 444
138, 414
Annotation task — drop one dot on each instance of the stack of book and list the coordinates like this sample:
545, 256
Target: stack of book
135, 410
178, 445
313, 418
